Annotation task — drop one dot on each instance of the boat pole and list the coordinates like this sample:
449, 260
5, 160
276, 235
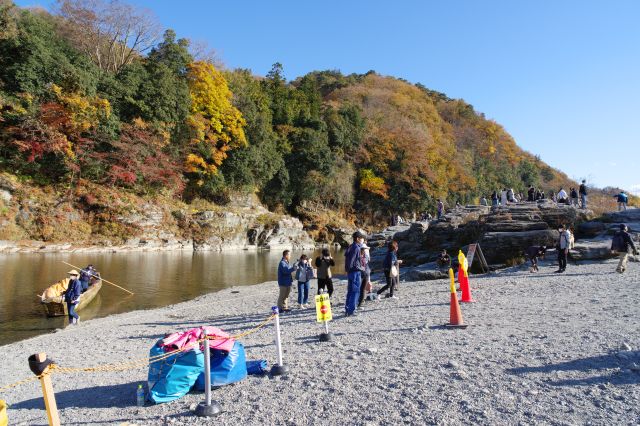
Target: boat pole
100, 278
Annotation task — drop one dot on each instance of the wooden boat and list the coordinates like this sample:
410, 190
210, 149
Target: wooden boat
59, 308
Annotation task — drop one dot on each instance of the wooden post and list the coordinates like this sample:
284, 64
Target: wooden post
47, 393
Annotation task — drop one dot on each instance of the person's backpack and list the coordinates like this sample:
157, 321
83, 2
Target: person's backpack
617, 244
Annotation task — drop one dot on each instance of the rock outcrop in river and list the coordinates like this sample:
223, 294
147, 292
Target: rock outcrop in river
504, 232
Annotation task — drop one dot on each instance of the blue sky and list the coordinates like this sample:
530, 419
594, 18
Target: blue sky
563, 77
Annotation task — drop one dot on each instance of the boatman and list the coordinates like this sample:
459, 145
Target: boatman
72, 296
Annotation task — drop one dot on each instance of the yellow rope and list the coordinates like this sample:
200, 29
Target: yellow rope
136, 363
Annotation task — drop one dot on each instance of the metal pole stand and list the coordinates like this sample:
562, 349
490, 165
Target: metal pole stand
207, 408
39, 365
279, 369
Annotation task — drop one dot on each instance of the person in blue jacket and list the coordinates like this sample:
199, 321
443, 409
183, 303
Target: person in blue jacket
354, 267
285, 281
72, 296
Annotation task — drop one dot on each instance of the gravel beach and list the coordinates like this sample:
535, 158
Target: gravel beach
541, 348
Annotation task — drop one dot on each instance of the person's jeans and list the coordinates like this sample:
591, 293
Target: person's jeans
353, 290
325, 282
283, 296
85, 285
71, 309
562, 259
583, 201
303, 292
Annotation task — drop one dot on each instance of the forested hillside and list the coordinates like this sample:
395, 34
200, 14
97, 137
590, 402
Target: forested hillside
97, 106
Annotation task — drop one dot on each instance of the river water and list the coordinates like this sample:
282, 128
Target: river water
157, 279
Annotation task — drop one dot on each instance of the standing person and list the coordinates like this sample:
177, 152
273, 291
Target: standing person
440, 208
285, 281
574, 197
324, 264
552, 195
564, 241
365, 286
503, 196
583, 194
533, 253
303, 275
391, 262
531, 193
483, 201
353, 266
85, 276
622, 200
72, 296
494, 198
620, 244
510, 195
562, 196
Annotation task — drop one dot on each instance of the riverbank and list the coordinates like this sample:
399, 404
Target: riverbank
540, 348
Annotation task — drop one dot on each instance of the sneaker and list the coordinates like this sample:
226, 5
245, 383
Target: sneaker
558, 271
393, 297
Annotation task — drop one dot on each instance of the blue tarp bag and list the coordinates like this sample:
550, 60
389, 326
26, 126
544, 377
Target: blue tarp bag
226, 367
173, 377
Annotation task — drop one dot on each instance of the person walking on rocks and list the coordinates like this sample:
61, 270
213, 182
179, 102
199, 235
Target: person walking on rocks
483, 201
564, 242
285, 281
72, 296
365, 286
391, 265
583, 194
622, 200
533, 253
324, 264
303, 275
620, 244
354, 267
440, 209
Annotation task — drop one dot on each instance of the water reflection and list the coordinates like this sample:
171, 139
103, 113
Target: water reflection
157, 279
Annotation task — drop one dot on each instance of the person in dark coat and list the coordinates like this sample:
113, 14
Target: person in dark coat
621, 244
533, 253
324, 264
354, 267
72, 296
390, 261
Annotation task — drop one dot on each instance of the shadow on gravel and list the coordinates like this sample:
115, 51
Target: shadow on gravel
618, 361
122, 395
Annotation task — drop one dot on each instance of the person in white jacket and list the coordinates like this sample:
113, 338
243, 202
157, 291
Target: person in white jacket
562, 196
503, 197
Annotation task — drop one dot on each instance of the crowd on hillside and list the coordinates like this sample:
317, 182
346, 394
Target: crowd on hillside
576, 197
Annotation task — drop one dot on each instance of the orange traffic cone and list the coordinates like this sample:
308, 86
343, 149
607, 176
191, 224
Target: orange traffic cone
463, 279
455, 315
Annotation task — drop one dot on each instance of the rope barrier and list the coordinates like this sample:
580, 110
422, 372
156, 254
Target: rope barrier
136, 363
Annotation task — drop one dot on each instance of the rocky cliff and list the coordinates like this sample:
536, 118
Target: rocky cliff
34, 219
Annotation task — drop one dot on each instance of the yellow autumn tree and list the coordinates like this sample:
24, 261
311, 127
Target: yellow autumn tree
374, 184
216, 125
